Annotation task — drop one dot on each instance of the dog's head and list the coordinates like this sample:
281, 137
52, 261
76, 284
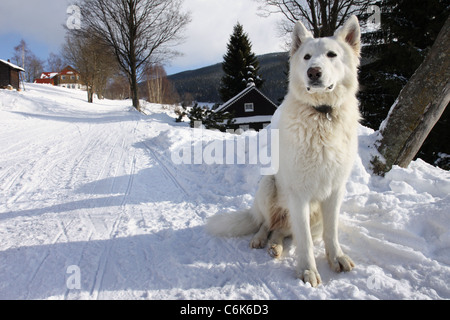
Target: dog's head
320, 65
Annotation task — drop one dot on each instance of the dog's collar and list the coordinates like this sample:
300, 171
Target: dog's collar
325, 109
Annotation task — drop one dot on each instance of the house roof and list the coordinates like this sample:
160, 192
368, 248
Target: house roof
241, 94
13, 66
48, 75
68, 70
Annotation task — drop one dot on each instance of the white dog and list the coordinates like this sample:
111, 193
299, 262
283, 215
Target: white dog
317, 125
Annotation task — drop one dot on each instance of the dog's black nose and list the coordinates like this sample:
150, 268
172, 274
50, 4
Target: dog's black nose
314, 73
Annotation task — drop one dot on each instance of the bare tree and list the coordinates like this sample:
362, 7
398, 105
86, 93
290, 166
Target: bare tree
417, 109
94, 60
25, 58
55, 62
155, 75
159, 88
117, 88
139, 31
323, 17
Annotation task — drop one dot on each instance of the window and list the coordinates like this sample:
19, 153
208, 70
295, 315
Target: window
63, 77
72, 77
248, 107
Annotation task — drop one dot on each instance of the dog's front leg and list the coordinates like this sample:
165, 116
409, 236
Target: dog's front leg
300, 224
330, 211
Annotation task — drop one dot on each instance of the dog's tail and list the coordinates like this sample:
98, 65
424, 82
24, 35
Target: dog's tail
232, 224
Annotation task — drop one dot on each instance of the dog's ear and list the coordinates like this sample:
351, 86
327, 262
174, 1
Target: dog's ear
299, 36
351, 34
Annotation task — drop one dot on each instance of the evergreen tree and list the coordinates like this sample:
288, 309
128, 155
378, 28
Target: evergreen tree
407, 31
219, 120
240, 65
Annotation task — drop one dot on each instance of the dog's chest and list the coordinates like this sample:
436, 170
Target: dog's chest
317, 142
316, 152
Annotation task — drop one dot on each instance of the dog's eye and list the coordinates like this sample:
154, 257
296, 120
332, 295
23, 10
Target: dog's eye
307, 57
331, 54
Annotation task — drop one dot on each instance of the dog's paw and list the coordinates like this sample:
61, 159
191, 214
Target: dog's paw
258, 243
310, 276
341, 263
275, 250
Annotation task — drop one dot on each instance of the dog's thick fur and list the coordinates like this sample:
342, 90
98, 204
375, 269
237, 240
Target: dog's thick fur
317, 125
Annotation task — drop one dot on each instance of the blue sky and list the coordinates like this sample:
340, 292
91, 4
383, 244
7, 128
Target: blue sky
40, 24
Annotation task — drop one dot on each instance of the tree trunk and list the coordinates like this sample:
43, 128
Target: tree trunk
133, 80
132, 29
418, 107
134, 91
90, 93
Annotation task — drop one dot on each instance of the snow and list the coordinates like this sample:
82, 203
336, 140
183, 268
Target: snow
252, 119
93, 207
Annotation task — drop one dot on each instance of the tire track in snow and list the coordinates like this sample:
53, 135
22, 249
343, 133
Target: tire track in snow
38, 171
166, 170
106, 252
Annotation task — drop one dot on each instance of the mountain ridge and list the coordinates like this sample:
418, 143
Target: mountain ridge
203, 83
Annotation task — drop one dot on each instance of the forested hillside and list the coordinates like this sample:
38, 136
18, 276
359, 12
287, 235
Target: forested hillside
203, 83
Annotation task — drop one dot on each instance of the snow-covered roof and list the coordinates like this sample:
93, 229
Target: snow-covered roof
48, 75
239, 95
12, 65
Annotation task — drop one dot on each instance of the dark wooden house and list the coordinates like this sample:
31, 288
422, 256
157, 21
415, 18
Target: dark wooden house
9, 74
251, 108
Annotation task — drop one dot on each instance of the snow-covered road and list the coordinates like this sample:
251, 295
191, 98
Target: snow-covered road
92, 206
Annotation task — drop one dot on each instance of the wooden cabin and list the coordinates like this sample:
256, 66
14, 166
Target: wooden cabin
252, 109
69, 78
9, 75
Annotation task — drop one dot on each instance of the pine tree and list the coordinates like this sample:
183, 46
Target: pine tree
220, 120
407, 31
240, 65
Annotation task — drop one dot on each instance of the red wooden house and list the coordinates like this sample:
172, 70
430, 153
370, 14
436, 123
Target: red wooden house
48, 78
67, 78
